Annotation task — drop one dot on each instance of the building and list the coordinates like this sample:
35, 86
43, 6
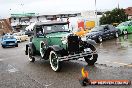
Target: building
20, 21
92, 16
128, 11
5, 26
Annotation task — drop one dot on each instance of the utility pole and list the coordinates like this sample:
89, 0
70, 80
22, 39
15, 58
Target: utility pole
118, 6
10, 12
96, 14
22, 8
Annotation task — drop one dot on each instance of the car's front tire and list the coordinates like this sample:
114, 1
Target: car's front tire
91, 59
30, 55
3, 46
54, 61
16, 45
99, 39
116, 35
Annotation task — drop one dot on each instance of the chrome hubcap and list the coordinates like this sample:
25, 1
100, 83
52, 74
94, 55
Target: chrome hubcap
100, 39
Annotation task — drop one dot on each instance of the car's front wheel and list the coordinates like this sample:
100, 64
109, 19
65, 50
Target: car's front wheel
54, 61
99, 39
30, 55
3, 46
16, 45
91, 59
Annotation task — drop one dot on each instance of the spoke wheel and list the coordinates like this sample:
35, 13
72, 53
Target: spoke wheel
54, 62
91, 59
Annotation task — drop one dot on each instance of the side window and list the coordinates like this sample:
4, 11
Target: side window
38, 31
111, 27
106, 28
130, 23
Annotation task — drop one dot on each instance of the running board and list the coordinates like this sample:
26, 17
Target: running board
76, 56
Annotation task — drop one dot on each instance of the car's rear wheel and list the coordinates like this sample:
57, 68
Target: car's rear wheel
99, 39
116, 35
30, 55
54, 61
91, 59
124, 32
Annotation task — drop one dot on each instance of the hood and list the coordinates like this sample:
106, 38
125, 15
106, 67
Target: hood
58, 34
9, 39
92, 33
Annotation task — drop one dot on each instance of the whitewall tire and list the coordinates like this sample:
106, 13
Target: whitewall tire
54, 62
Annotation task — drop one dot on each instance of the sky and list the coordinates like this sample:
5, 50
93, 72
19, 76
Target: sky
8, 7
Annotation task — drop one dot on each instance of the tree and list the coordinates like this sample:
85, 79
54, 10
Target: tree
115, 16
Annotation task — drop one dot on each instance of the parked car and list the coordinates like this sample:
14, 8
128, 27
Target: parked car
20, 36
8, 40
103, 32
28, 32
125, 27
53, 41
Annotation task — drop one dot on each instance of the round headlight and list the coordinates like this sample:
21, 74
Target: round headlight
4, 42
84, 38
64, 40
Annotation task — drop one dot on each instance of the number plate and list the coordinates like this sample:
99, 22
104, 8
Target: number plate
11, 43
87, 49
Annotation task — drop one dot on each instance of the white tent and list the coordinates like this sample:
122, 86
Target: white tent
30, 27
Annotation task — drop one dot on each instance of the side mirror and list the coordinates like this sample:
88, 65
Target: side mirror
105, 29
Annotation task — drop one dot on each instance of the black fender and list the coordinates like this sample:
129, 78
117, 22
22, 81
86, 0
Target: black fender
92, 42
56, 48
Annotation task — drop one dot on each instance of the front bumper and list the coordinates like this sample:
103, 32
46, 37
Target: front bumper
10, 44
76, 56
92, 38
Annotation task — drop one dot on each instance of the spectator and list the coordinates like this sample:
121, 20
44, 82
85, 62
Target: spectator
39, 33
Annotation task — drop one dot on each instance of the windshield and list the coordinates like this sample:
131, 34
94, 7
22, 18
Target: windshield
98, 28
8, 37
123, 24
52, 29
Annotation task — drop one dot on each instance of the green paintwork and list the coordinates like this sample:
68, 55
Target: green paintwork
52, 39
127, 27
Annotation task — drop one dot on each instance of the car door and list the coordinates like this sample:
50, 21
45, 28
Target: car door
106, 32
129, 27
38, 39
112, 30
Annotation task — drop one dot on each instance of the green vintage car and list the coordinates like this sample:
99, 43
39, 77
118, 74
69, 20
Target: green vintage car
54, 41
125, 27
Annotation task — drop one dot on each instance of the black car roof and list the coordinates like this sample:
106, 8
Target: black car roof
106, 25
50, 23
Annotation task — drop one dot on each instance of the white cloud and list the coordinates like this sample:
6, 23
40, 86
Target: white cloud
42, 6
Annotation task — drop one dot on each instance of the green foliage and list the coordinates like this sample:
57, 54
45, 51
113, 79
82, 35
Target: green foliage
114, 16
